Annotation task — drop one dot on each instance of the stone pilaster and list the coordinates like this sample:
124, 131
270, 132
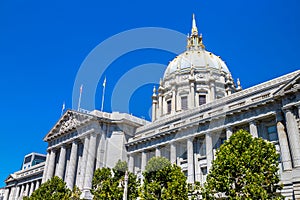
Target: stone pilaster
212, 88
192, 95
173, 107
90, 166
209, 150
228, 132
173, 157
61, 162
160, 105
144, 161
51, 164
253, 129
72, 165
293, 136
83, 161
190, 158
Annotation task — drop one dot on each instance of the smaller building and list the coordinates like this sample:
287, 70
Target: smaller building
28, 179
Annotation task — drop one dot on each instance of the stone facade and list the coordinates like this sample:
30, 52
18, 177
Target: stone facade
195, 109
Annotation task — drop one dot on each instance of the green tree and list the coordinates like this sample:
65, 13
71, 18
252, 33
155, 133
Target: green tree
53, 189
110, 186
162, 180
244, 168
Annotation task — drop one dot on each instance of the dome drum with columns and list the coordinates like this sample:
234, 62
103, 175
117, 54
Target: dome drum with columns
193, 78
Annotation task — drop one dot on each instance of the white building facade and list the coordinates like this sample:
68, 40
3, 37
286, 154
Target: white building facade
196, 107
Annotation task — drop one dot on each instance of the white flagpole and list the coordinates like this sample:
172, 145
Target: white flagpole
79, 101
103, 92
63, 108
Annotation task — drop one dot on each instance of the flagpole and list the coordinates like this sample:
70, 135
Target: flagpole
103, 92
79, 101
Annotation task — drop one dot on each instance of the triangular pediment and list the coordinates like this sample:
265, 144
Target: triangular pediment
68, 122
290, 87
10, 177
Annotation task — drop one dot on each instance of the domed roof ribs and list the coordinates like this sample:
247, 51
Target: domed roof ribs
194, 41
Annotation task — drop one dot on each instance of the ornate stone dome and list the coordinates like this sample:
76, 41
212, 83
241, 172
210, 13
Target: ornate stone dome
200, 59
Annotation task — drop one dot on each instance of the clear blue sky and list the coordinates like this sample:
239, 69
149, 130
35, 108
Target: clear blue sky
43, 43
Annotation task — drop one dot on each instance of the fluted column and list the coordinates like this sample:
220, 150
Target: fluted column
192, 96
31, 188
12, 193
83, 161
190, 157
173, 157
72, 165
173, 108
37, 184
22, 191
157, 152
253, 129
131, 163
51, 165
46, 167
228, 132
144, 161
90, 164
160, 105
284, 147
212, 91
293, 136
209, 150
61, 162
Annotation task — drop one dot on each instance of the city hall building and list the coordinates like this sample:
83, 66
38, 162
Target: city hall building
196, 107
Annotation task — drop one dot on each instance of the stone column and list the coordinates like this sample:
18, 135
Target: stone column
190, 158
26, 192
37, 184
131, 163
144, 161
12, 193
83, 161
173, 108
192, 95
253, 129
173, 157
157, 152
17, 192
212, 91
154, 109
209, 150
31, 188
160, 105
293, 136
284, 147
61, 162
22, 191
6, 194
46, 167
72, 165
51, 165
90, 166
228, 132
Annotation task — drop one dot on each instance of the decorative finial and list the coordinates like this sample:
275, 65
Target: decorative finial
160, 82
194, 27
239, 87
154, 89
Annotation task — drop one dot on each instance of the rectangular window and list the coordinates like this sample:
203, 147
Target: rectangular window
169, 106
184, 103
272, 133
202, 99
204, 170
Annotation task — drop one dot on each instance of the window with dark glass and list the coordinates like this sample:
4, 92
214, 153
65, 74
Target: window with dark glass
169, 104
184, 103
272, 133
202, 99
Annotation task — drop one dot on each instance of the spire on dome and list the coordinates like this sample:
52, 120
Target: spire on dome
194, 26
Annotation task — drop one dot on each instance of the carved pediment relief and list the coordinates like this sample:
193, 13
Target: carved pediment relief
67, 123
291, 87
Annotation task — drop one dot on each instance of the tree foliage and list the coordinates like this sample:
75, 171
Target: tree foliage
162, 180
110, 186
53, 189
244, 168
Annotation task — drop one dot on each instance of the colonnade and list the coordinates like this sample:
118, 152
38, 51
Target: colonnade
21, 190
